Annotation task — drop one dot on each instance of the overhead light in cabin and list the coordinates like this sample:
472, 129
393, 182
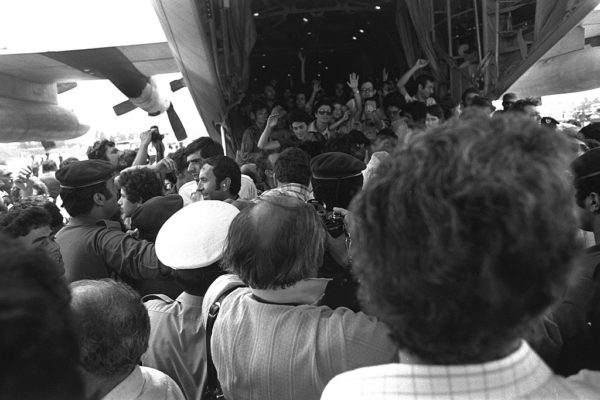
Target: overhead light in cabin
353, 37
378, 8
304, 19
361, 30
264, 67
256, 14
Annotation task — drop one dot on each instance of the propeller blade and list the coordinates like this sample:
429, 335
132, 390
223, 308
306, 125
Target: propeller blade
124, 107
176, 124
177, 84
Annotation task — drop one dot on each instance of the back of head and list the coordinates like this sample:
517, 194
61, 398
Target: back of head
48, 166
206, 146
275, 243
140, 184
179, 156
98, 150
19, 221
336, 178
299, 116
519, 105
37, 342
469, 229
112, 324
292, 166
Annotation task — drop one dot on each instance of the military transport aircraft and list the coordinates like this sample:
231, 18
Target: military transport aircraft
532, 47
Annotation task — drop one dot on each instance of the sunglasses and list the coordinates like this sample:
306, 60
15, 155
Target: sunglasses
324, 112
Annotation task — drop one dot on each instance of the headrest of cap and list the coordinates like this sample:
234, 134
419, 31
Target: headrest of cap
81, 174
335, 166
194, 237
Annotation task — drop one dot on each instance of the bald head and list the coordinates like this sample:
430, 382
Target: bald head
275, 244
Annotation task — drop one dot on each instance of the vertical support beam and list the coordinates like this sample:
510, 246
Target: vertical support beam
497, 37
224, 14
449, 27
486, 44
476, 11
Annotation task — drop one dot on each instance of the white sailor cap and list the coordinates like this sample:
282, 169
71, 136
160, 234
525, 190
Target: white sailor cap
194, 237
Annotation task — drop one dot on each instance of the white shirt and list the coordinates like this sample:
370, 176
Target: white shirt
247, 191
146, 384
521, 375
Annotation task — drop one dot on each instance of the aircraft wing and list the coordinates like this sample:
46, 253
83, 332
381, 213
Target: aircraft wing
29, 109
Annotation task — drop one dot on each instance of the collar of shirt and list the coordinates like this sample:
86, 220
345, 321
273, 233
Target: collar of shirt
312, 128
190, 299
306, 291
296, 190
515, 375
129, 388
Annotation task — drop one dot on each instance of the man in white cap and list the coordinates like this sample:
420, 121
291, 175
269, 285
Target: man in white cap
191, 242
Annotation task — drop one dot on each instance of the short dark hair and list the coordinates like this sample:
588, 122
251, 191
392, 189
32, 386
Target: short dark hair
275, 243
293, 166
299, 116
467, 92
113, 326
180, 158
49, 165
207, 147
417, 110
56, 218
98, 150
322, 103
225, 167
38, 340
197, 281
423, 79
80, 201
481, 255
257, 106
140, 184
435, 110
20, 221
67, 161
519, 105
386, 133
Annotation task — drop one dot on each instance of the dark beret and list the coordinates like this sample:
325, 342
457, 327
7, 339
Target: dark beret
587, 164
591, 131
335, 166
81, 174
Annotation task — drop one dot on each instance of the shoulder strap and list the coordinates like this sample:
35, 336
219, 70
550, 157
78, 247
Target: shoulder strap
212, 382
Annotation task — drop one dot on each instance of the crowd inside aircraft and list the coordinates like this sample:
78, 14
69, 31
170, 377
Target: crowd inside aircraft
368, 242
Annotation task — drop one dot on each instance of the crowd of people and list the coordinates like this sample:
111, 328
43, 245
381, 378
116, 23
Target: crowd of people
373, 243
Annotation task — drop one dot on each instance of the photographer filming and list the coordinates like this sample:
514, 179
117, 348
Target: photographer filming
154, 137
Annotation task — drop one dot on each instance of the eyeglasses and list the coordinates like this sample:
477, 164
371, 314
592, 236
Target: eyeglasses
324, 112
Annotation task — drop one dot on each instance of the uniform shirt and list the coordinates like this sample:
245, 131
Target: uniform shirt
145, 384
521, 375
177, 341
273, 344
102, 250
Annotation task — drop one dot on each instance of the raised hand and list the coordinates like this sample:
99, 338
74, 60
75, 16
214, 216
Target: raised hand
353, 81
273, 119
316, 86
421, 63
301, 57
385, 75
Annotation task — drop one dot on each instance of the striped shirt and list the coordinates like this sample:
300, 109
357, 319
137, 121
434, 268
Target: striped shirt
271, 350
521, 375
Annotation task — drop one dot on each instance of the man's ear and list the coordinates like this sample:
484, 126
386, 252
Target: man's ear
225, 183
99, 199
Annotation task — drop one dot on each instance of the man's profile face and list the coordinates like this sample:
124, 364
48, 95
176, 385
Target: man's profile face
207, 185
127, 206
261, 116
301, 101
300, 129
111, 206
427, 90
195, 161
42, 238
469, 99
5, 180
112, 155
532, 112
